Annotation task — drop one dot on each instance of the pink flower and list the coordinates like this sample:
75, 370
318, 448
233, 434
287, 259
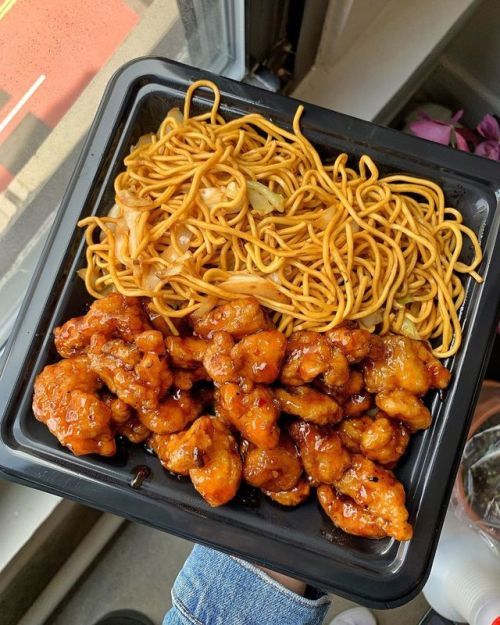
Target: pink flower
489, 128
444, 132
448, 132
489, 149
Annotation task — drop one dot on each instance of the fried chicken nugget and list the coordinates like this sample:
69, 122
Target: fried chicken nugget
140, 378
308, 404
172, 414
259, 356
185, 379
273, 470
337, 372
380, 439
352, 396
218, 479
293, 497
357, 404
405, 364
137, 377
135, 431
239, 317
404, 406
351, 432
354, 385
66, 400
347, 515
404, 371
323, 456
120, 411
254, 414
218, 360
183, 451
355, 343
186, 355
385, 440
125, 420
377, 490
186, 352
208, 453
256, 359
308, 355
113, 316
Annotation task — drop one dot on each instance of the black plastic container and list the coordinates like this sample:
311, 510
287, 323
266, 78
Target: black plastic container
300, 542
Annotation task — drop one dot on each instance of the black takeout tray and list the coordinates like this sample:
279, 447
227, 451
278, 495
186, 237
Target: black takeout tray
299, 542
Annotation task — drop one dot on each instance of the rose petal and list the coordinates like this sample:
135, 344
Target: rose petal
461, 141
488, 127
489, 149
469, 135
431, 130
457, 116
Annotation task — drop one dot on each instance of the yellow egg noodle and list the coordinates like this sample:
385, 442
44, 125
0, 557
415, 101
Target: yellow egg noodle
207, 210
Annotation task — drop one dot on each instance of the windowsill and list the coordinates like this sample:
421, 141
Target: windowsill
22, 512
352, 84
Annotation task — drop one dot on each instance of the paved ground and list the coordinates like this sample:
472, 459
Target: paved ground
137, 571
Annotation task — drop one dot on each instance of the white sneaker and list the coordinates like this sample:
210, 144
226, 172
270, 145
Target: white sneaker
355, 616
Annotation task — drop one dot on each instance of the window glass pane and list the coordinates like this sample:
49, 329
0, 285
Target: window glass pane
55, 60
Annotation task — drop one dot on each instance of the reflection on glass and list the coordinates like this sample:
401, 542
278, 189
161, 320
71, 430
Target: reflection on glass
56, 60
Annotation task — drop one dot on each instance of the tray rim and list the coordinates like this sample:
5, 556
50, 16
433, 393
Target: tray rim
15, 466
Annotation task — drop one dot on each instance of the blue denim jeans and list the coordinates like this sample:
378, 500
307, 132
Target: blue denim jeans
215, 589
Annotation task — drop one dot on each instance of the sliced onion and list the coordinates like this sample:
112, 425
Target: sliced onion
121, 241
150, 279
405, 300
146, 139
212, 196
82, 273
253, 285
152, 275
183, 238
371, 321
130, 200
126, 239
132, 218
114, 211
326, 217
263, 200
130, 207
177, 267
232, 190
177, 115
206, 306
409, 329
157, 321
